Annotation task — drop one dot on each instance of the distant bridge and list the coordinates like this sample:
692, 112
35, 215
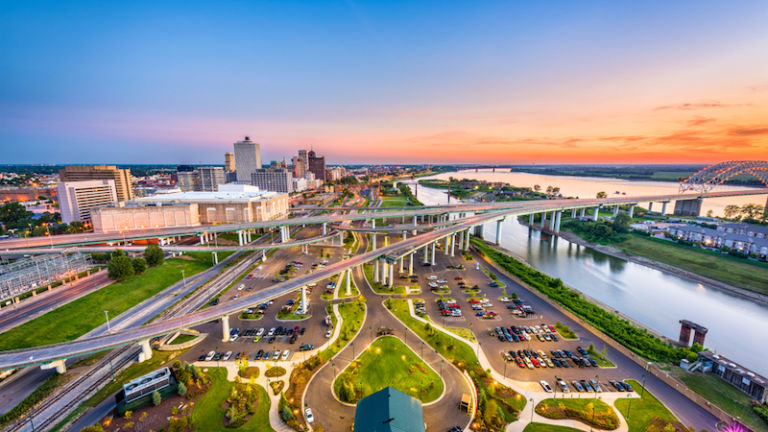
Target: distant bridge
707, 178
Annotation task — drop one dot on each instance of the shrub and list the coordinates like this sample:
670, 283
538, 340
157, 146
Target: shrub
156, 398
182, 389
154, 255
120, 268
139, 265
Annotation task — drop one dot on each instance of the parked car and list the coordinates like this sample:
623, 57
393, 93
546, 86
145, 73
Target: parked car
308, 414
545, 386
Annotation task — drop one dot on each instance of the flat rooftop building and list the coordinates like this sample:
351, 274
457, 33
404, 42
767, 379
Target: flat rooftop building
132, 216
232, 203
120, 177
749, 382
78, 198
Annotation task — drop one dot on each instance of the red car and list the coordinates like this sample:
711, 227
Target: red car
458, 278
474, 301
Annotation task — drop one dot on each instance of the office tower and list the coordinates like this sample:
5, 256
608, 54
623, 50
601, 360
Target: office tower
229, 162
299, 167
273, 179
77, 198
210, 178
187, 178
316, 165
247, 159
120, 177
303, 156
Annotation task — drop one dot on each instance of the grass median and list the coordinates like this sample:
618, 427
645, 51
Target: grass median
642, 414
543, 427
592, 412
388, 362
59, 326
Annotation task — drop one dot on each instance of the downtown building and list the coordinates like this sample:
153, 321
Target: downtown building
120, 177
247, 159
78, 198
273, 179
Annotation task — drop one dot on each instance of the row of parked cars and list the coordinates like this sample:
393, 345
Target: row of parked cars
260, 355
519, 308
544, 333
588, 386
267, 335
449, 308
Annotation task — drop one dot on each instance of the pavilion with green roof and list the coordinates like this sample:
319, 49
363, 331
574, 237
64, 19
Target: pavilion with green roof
389, 410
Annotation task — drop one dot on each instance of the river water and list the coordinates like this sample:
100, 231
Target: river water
656, 299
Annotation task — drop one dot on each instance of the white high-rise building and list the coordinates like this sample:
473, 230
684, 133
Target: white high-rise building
77, 198
247, 159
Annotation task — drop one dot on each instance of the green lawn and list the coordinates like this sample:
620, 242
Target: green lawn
643, 411
209, 416
395, 201
725, 396
379, 288
600, 358
182, 338
543, 427
738, 272
59, 326
593, 412
388, 362
342, 287
352, 316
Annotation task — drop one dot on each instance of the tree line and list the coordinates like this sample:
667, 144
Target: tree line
121, 267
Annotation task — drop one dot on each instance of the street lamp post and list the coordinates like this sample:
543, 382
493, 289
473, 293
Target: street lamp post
531, 401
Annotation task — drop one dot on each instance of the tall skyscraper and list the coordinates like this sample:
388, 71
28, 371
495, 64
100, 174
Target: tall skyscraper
121, 177
229, 162
187, 178
303, 156
247, 159
316, 165
299, 166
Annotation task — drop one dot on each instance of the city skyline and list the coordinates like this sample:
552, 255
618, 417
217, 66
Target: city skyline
370, 83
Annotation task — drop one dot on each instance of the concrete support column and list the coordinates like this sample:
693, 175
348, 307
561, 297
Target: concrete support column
349, 281
583, 212
386, 240
402, 264
558, 216
384, 271
264, 254
303, 304
376, 270
373, 241
426, 254
461, 240
447, 245
202, 239
664, 207
498, 231
341, 238
391, 275
215, 257
59, 365
414, 221
410, 265
146, 351
225, 328
240, 238
597, 212
615, 211
325, 228
573, 213
453, 243
552, 222
373, 223
405, 235
650, 207
466, 240
531, 219
433, 252
631, 210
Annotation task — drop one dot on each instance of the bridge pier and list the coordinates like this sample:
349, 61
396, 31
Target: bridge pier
433, 252
284, 235
479, 231
597, 213
453, 243
59, 365
225, 328
461, 240
384, 271
615, 211
376, 270
573, 213
391, 274
631, 210
410, 265
583, 212
650, 207
426, 254
552, 222
349, 281
325, 228
447, 241
558, 216
664, 207
215, 258
466, 240
498, 231
415, 223
146, 350
531, 219
264, 253
373, 241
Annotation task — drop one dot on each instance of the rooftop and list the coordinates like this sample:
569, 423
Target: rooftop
226, 192
389, 410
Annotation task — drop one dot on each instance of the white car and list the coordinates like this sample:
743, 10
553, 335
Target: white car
545, 386
233, 338
271, 332
432, 277
210, 355
226, 356
240, 288
260, 331
285, 354
310, 417
329, 333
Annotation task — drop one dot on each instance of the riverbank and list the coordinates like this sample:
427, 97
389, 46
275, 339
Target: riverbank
616, 253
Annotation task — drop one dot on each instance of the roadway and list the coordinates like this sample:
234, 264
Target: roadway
521, 207
23, 357
32, 307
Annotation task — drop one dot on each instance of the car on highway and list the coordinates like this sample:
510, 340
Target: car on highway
545, 386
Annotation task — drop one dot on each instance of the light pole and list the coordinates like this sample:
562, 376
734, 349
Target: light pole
505, 368
629, 407
183, 278
531, 401
106, 314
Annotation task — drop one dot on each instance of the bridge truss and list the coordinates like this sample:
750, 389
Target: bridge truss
707, 178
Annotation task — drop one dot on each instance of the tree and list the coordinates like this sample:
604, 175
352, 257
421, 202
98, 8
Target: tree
621, 222
120, 268
94, 428
549, 190
75, 227
139, 265
156, 398
14, 215
536, 187
601, 195
710, 213
731, 211
752, 211
154, 255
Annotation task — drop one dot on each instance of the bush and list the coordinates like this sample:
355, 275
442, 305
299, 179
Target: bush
156, 398
120, 268
139, 265
182, 389
154, 255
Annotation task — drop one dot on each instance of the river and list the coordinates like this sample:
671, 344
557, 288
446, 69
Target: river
654, 298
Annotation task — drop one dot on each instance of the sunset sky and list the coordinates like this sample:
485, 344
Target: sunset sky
387, 82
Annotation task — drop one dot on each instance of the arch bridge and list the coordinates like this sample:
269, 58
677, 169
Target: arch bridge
707, 178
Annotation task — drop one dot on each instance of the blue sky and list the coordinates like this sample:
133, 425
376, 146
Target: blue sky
178, 82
